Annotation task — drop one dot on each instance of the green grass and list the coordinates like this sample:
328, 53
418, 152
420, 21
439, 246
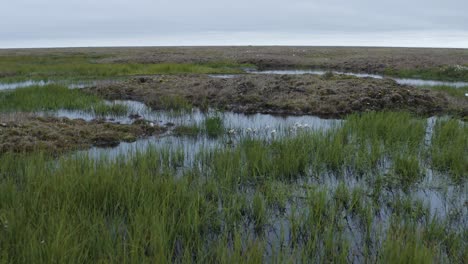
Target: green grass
453, 91
446, 73
407, 169
261, 200
176, 103
55, 97
79, 67
449, 148
214, 126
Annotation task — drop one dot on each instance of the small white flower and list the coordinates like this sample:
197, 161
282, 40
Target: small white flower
273, 131
151, 124
249, 129
231, 131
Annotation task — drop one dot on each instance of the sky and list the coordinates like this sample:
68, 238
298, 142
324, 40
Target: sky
71, 23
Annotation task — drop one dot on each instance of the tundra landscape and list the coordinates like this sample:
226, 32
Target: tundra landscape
242, 154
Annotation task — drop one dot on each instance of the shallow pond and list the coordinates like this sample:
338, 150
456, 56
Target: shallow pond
255, 123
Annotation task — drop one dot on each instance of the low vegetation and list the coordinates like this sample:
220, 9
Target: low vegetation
460, 92
443, 73
56, 97
450, 148
85, 66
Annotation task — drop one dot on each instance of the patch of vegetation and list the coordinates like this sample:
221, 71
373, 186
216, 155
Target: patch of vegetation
17, 68
175, 102
449, 148
55, 97
450, 90
446, 73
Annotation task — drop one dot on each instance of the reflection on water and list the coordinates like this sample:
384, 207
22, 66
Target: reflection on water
253, 123
223, 76
416, 82
71, 84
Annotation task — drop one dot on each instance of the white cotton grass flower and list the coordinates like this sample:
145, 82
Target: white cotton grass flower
273, 131
231, 131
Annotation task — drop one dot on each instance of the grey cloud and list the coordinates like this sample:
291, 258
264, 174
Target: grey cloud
85, 19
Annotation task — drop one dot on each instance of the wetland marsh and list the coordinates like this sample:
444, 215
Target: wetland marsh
166, 156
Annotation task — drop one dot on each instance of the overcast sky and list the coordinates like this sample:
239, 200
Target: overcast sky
53, 23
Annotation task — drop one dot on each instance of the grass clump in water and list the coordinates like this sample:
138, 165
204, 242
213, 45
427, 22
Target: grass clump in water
259, 212
214, 126
103, 109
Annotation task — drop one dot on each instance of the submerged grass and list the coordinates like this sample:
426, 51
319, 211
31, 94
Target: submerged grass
55, 97
17, 68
